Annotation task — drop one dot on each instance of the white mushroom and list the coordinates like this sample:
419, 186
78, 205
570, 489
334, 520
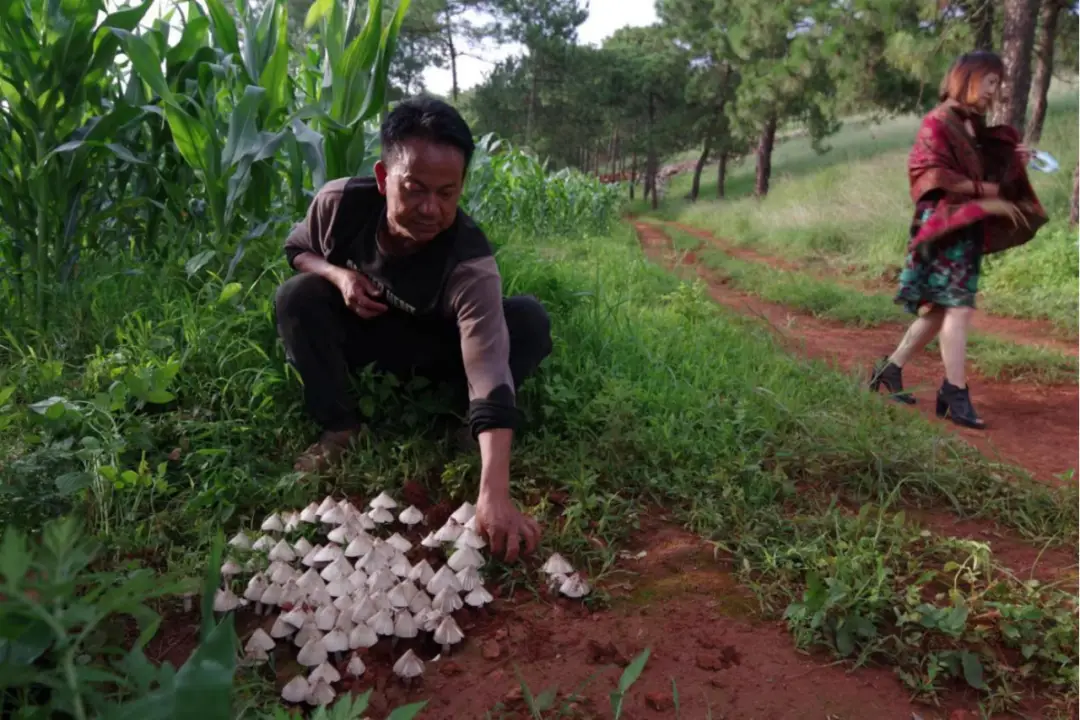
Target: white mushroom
400, 566
320, 694
325, 672
263, 544
325, 617
574, 586
320, 596
382, 580
404, 625
282, 552
384, 550
444, 578
356, 667
409, 665
291, 594
469, 579
380, 516
382, 623
309, 580
478, 597
429, 541
555, 581
339, 535
431, 619
421, 573
411, 516
465, 557
298, 617
310, 514
557, 565
339, 588
446, 601
380, 601
272, 595
291, 520
371, 562
464, 514
344, 622
362, 521
358, 580
309, 559
327, 504
449, 532
473, 524
255, 589
343, 604
337, 570
399, 543
240, 541
313, 653
296, 690
272, 523
362, 636
302, 547
363, 610
383, 502
336, 641
359, 546
448, 633
420, 601
329, 554
258, 645
281, 628
229, 568
225, 601
307, 633
281, 572
468, 538
397, 597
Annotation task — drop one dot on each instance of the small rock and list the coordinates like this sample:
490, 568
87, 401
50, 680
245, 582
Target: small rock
513, 696
450, 669
659, 701
491, 650
501, 634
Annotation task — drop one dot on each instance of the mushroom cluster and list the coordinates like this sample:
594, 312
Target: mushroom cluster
340, 578
561, 577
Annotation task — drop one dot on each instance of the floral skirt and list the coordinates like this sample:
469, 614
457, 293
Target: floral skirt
943, 272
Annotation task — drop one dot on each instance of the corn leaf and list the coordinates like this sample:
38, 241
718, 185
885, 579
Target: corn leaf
146, 63
223, 27
376, 91
243, 125
318, 10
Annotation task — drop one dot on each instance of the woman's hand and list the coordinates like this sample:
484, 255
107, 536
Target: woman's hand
1023, 154
990, 190
359, 294
1007, 210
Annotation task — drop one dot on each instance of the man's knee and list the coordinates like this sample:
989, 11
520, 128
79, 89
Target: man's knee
529, 325
301, 294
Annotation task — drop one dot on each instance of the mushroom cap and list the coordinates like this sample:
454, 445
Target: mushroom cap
272, 523
240, 541
421, 573
444, 578
380, 601
296, 690
329, 554
310, 514
310, 580
272, 595
282, 551
399, 543
282, 574
431, 619
411, 516
291, 520
473, 524
281, 628
302, 547
230, 568
307, 633
337, 570
356, 666
291, 594
448, 632
409, 665
397, 597
404, 625
478, 597
338, 535
363, 610
382, 580
312, 653
382, 623
464, 557
333, 516
429, 541
446, 601
256, 587
359, 546
371, 562
259, 639
263, 544
320, 596
383, 501
400, 566
449, 532
298, 617
420, 601
320, 694
336, 641
381, 516
362, 636
344, 622
464, 513
339, 588
574, 586
255, 655
557, 565
362, 521
343, 604
325, 506
325, 617
469, 579
468, 538
358, 580
555, 580
325, 672
309, 559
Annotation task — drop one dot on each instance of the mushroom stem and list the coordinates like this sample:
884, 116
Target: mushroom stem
446, 648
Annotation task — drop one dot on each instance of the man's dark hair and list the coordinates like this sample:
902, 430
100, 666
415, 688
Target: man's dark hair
426, 118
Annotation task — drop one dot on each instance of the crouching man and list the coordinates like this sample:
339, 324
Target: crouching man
392, 272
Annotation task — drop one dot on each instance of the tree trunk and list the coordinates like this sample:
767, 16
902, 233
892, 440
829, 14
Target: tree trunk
721, 175
532, 107
1018, 39
764, 157
453, 56
695, 188
633, 173
1074, 205
650, 157
1044, 68
982, 23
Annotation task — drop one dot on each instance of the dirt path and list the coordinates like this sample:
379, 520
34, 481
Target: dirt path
1040, 333
1033, 426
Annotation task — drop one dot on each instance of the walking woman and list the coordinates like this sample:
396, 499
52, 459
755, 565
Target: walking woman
972, 197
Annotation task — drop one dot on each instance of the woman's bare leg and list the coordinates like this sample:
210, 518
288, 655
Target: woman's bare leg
921, 332
953, 338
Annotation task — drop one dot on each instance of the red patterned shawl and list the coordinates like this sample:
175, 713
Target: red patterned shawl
944, 155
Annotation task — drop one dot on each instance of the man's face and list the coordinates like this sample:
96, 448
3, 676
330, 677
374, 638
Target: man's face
422, 182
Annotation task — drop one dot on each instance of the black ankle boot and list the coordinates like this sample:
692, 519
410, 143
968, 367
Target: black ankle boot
891, 376
955, 403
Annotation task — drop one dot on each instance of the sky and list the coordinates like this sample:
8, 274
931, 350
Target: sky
605, 17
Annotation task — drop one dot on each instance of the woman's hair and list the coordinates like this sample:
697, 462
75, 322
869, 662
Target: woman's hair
962, 81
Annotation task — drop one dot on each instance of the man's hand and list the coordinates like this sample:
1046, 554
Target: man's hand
505, 526
359, 294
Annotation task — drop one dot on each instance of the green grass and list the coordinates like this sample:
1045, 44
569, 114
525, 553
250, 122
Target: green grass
849, 208
994, 358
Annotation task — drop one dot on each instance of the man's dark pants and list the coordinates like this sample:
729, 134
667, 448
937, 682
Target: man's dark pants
326, 342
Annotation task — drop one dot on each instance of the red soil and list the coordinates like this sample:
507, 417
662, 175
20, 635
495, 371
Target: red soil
1033, 426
